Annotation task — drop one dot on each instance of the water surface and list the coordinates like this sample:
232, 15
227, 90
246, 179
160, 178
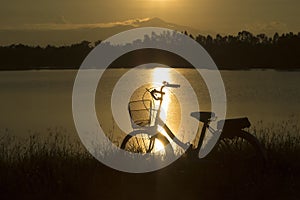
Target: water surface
34, 101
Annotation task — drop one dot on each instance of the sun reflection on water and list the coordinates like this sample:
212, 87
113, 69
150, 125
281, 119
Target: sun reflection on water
159, 75
158, 146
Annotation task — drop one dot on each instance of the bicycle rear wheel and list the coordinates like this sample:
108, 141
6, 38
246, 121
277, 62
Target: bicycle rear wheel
142, 142
241, 156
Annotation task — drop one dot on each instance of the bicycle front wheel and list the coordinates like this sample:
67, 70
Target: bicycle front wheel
143, 142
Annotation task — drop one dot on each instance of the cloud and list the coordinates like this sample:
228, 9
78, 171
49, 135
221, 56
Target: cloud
66, 25
64, 32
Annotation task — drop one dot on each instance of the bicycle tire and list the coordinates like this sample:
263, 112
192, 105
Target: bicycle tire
241, 154
139, 141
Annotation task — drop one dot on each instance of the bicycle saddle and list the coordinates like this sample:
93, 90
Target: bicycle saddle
234, 124
203, 116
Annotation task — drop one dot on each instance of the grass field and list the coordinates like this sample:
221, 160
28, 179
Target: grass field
59, 167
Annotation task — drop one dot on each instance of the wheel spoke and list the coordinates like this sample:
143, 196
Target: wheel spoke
142, 142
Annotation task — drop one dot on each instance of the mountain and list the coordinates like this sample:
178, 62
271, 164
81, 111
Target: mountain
65, 34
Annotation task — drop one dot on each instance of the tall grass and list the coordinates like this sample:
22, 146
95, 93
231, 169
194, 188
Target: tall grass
281, 141
59, 167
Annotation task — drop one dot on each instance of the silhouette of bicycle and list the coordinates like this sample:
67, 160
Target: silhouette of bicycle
234, 140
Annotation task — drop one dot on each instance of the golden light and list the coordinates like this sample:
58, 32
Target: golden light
159, 4
168, 105
158, 146
158, 0
160, 75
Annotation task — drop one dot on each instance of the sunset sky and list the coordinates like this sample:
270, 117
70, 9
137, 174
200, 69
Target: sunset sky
216, 16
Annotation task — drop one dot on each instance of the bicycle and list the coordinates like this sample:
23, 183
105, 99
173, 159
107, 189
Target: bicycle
234, 139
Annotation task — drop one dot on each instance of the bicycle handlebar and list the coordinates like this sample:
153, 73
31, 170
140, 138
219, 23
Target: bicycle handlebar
154, 92
173, 85
166, 84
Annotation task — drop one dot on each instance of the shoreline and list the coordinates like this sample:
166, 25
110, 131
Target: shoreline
288, 69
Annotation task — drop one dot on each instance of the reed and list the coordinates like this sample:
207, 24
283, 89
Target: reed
59, 167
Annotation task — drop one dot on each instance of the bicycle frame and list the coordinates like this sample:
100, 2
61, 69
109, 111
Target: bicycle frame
229, 129
159, 121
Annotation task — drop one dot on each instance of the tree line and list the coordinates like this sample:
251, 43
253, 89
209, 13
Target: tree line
242, 51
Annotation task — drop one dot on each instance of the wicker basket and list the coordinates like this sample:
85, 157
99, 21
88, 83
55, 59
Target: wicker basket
142, 113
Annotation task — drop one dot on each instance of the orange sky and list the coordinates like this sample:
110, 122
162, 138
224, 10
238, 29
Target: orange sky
208, 16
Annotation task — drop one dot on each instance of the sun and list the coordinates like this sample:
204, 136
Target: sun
158, 1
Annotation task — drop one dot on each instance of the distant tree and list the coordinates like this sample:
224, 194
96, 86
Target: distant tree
191, 36
275, 38
262, 39
209, 40
243, 50
97, 43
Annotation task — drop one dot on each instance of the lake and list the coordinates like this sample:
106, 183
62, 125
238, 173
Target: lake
39, 101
